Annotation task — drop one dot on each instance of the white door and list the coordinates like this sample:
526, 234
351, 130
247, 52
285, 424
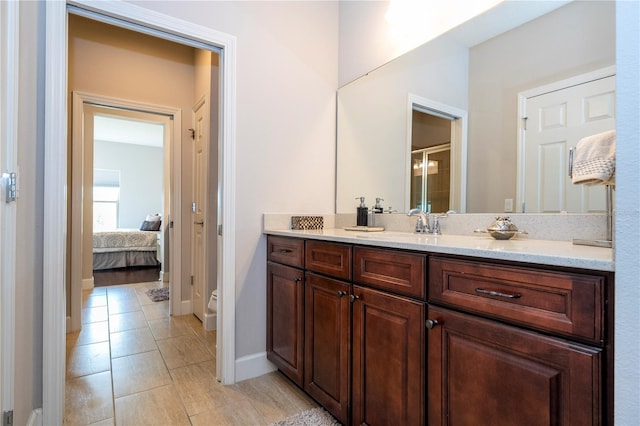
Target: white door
555, 122
8, 163
200, 179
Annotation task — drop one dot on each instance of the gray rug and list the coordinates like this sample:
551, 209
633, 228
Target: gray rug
158, 294
314, 417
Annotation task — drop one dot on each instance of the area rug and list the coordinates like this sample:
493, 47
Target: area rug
314, 417
158, 294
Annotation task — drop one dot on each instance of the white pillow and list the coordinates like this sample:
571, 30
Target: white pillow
153, 218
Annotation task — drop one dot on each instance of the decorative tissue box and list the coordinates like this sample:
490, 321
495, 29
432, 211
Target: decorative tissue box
300, 223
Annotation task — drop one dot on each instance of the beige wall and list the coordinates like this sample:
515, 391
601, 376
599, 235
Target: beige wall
572, 40
114, 62
287, 71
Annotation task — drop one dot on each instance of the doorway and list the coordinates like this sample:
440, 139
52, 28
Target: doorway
431, 163
128, 15
436, 156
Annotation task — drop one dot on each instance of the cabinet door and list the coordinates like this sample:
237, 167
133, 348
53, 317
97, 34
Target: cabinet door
388, 359
285, 319
327, 338
482, 372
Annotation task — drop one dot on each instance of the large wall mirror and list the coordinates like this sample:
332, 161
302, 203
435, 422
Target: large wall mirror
477, 69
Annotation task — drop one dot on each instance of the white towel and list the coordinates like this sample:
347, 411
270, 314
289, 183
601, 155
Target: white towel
594, 160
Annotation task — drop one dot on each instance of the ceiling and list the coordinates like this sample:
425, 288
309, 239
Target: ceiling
122, 130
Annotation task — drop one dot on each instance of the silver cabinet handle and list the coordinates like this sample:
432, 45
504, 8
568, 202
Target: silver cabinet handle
498, 293
341, 293
353, 298
431, 324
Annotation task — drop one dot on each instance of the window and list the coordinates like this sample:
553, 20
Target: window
106, 197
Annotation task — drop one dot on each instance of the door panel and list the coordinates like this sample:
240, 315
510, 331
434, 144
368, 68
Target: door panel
388, 359
285, 319
200, 179
482, 372
556, 121
327, 337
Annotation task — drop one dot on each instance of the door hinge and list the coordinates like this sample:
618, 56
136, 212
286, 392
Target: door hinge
220, 230
191, 279
524, 122
7, 418
193, 207
10, 182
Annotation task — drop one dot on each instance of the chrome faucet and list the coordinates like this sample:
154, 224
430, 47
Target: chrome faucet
422, 225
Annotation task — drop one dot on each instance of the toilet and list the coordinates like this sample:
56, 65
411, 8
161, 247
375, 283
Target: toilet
213, 301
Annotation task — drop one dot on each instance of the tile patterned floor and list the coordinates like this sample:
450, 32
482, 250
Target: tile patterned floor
133, 364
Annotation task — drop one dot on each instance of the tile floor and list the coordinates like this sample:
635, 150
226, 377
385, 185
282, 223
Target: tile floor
133, 364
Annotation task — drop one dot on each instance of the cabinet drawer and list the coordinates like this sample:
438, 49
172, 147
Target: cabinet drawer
289, 251
566, 303
328, 258
397, 271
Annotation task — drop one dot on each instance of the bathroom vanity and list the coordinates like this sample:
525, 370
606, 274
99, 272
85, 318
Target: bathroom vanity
399, 328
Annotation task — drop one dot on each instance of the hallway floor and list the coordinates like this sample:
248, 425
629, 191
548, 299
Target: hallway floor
133, 364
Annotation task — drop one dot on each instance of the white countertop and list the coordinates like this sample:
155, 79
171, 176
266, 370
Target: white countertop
543, 252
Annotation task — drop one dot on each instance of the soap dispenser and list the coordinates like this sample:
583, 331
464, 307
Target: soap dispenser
378, 207
362, 213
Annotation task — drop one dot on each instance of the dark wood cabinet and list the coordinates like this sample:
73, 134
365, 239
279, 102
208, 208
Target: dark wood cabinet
327, 339
285, 319
558, 302
512, 344
388, 359
482, 372
391, 270
383, 336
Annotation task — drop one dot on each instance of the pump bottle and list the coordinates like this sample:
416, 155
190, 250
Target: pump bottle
362, 213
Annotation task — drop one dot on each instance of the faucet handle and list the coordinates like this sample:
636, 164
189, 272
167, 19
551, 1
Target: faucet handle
436, 225
436, 222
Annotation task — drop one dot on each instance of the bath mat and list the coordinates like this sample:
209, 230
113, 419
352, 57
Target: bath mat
314, 417
158, 294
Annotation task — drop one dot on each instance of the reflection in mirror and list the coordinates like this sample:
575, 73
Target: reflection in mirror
430, 162
476, 70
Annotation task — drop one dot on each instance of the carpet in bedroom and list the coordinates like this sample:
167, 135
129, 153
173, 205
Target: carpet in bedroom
126, 275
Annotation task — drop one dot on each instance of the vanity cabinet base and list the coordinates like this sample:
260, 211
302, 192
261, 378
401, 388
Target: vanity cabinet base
482, 372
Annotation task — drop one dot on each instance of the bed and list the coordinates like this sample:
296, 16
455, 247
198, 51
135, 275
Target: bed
123, 249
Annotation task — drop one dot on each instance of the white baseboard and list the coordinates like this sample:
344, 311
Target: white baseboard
35, 418
250, 366
210, 321
87, 283
186, 307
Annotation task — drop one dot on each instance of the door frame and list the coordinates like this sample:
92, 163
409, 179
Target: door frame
55, 183
459, 125
172, 153
9, 77
523, 97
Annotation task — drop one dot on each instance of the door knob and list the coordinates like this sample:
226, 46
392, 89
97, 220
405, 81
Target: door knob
431, 324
